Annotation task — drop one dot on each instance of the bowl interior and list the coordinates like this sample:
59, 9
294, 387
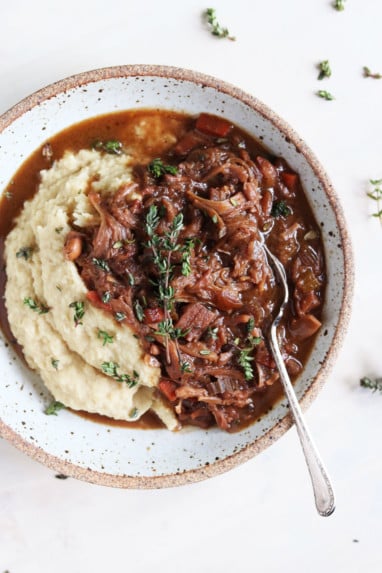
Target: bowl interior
149, 458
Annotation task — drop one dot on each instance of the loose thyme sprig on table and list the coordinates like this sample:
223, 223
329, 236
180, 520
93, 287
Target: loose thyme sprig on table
376, 195
374, 384
325, 95
324, 70
367, 73
215, 28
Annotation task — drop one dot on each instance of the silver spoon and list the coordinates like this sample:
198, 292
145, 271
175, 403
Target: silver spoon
322, 488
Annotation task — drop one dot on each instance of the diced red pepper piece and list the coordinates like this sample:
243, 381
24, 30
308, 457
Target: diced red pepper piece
290, 180
213, 125
168, 388
152, 315
96, 301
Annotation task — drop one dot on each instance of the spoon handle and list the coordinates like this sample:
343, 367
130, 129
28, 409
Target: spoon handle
322, 488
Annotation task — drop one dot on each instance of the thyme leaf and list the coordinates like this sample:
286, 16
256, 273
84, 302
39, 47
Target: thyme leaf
53, 408
107, 338
157, 168
113, 147
280, 209
325, 95
101, 264
79, 311
324, 70
24, 253
373, 384
339, 5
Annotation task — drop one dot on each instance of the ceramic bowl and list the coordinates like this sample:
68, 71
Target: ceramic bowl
121, 457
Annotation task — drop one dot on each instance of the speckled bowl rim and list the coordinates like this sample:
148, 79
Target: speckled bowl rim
222, 465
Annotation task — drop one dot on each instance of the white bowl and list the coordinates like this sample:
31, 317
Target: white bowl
125, 457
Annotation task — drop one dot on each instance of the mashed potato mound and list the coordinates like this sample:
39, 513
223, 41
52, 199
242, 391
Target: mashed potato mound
69, 357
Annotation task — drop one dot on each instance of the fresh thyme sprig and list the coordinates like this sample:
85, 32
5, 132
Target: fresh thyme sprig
111, 369
245, 355
367, 73
35, 306
101, 264
162, 248
324, 70
376, 195
79, 311
215, 28
374, 385
186, 257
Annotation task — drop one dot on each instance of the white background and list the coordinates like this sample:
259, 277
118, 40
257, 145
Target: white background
260, 516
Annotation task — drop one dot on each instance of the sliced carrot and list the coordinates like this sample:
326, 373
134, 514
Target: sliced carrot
168, 388
213, 125
153, 315
96, 301
290, 180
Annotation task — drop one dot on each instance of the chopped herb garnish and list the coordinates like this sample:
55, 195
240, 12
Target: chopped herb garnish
376, 195
166, 328
325, 95
367, 73
35, 306
113, 147
79, 311
53, 408
111, 369
138, 310
119, 316
250, 325
59, 230
101, 264
215, 28
133, 413
212, 332
157, 168
54, 362
24, 253
373, 384
214, 219
339, 5
205, 352
186, 257
107, 338
245, 356
106, 297
117, 245
185, 367
280, 209
324, 70
233, 201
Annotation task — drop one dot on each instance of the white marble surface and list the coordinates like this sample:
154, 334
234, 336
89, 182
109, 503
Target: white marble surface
261, 515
